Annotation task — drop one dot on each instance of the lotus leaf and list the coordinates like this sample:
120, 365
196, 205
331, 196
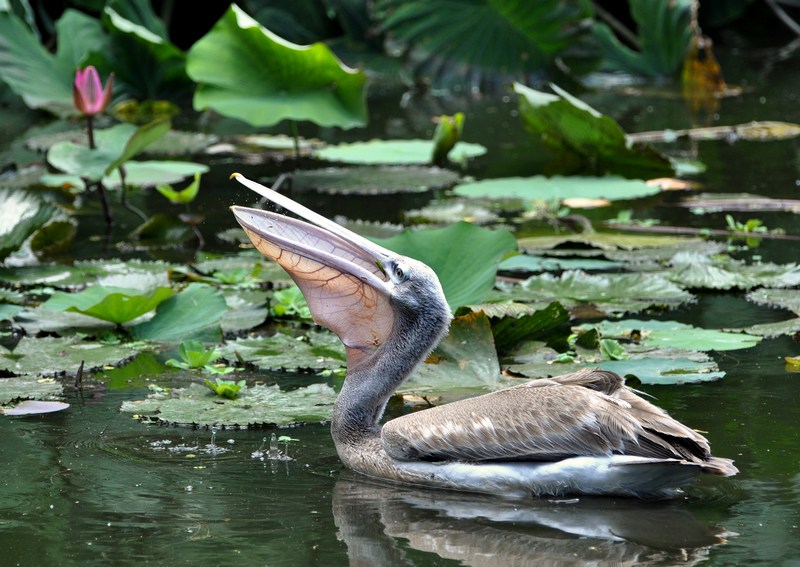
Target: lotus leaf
557, 187
316, 351
194, 313
48, 356
29, 389
464, 256
245, 71
21, 214
258, 405
408, 152
114, 304
570, 126
671, 334
373, 180
781, 298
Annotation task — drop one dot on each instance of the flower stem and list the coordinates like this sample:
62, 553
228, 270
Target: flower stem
90, 130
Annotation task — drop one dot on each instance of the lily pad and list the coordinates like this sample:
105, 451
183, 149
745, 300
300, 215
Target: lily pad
245, 71
113, 304
571, 127
53, 356
256, 406
672, 334
373, 180
33, 407
780, 298
409, 152
7, 311
464, 256
194, 313
78, 274
531, 263
610, 293
246, 309
789, 327
318, 350
29, 389
665, 370
558, 187
21, 214
692, 270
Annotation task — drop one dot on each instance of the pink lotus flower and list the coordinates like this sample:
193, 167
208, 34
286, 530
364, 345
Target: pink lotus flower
88, 93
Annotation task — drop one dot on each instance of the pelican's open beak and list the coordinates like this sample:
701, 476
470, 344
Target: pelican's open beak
340, 273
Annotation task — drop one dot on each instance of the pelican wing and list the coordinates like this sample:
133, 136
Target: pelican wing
589, 413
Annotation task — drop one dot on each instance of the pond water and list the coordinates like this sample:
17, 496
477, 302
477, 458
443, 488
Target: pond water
92, 485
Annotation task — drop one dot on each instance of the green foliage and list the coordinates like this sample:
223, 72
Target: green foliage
226, 388
194, 313
394, 152
664, 36
511, 36
113, 304
574, 130
247, 72
21, 214
557, 188
185, 195
464, 256
194, 355
446, 136
290, 303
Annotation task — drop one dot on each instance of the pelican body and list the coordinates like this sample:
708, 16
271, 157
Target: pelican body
581, 433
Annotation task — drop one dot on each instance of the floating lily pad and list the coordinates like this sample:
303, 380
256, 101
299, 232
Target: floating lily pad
464, 256
314, 351
409, 152
780, 298
7, 311
40, 320
373, 180
530, 263
558, 187
176, 142
114, 304
29, 389
452, 211
33, 407
571, 127
692, 270
771, 330
610, 293
665, 370
21, 214
671, 334
246, 309
256, 406
194, 313
52, 356
77, 274
245, 71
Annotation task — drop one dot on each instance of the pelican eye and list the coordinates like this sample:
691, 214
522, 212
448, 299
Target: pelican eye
399, 273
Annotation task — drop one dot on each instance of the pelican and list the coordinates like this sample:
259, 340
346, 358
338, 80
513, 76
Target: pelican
580, 433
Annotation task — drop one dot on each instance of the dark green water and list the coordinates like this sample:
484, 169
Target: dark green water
92, 486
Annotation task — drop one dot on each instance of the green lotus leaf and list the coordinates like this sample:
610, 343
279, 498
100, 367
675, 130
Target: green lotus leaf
314, 351
464, 256
570, 127
114, 304
780, 298
407, 152
675, 335
557, 187
258, 405
245, 71
373, 180
54, 356
21, 214
27, 388
194, 313
693, 270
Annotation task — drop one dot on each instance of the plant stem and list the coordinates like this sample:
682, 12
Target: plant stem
296, 136
123, 199
90, 130
101, 190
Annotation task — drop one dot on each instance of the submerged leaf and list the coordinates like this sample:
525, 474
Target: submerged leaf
257, 406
